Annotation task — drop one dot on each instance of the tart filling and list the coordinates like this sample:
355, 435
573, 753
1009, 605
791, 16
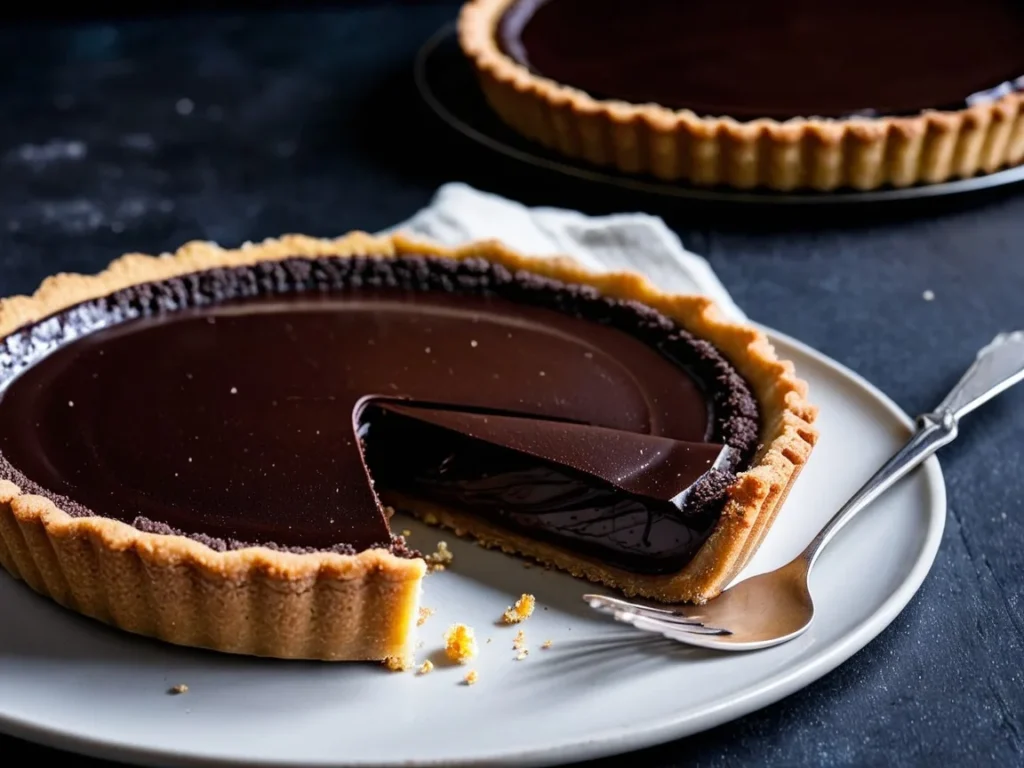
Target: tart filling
278, 404
750, 60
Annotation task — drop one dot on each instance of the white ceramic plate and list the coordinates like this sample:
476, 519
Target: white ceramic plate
448, 86
600, 689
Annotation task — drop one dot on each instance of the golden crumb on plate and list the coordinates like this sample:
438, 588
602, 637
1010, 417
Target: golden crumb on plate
520, 642
425, 667
430, 519
470, 678
546, 644
521, 611
460, 643
522, 655
397, 663
179, 688
406, 533
425, 613
440, 559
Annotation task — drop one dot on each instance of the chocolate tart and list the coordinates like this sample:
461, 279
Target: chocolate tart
206, 447
784, 96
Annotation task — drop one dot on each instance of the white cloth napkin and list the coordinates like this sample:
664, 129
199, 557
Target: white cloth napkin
627, 241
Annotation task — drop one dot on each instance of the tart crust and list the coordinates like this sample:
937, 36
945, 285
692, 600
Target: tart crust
329, 606
678, 145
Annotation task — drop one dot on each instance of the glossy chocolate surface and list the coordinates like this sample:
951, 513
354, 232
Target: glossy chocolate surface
229, 406
663, 468
648, 513
795, 58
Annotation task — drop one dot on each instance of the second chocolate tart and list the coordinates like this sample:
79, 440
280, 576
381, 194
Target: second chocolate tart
744, 94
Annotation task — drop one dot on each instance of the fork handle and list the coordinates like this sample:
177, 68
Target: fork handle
998, 366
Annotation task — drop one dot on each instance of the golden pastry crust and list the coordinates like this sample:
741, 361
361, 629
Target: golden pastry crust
679, 145
359, 607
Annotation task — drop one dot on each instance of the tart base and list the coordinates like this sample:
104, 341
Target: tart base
254, 602
328, 606
679, 145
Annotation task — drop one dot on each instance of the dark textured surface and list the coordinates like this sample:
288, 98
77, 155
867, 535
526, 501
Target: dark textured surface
309, 123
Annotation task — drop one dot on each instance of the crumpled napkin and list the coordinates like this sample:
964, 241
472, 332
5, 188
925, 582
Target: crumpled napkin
627, 241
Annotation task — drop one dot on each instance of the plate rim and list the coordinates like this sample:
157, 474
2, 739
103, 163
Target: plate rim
788, 680
1006, 176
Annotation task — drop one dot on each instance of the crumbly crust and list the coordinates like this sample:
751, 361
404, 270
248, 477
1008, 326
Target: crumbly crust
460, 643
331, 606
521, 610
679, 145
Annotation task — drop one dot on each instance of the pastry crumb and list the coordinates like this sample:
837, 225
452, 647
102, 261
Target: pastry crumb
441, 559
522, 655
430, 519
471, 677
397, 663
520, 641
406, 533
546, 644
178, 689
460, 643
425, 668
425, 613
521, 611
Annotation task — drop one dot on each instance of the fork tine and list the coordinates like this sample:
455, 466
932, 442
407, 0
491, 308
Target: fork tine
671, 630
625, 604
658, 621
680, 632
678, 621
668, 619
614, 605
650, 619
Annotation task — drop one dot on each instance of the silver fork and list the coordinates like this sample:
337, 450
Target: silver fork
776, 607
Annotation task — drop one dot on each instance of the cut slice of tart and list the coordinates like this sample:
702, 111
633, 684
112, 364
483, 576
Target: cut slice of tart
784, 95
205, 447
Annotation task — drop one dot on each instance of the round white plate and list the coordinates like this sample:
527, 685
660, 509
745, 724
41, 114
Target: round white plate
601, 688
448, 86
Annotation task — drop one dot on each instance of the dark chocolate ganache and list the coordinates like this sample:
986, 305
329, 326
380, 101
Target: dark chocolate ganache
277, 404
796, 58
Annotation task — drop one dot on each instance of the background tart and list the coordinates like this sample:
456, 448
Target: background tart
782, 95
289, 591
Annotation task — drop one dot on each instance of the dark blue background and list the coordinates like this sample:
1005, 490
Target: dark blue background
309, 123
